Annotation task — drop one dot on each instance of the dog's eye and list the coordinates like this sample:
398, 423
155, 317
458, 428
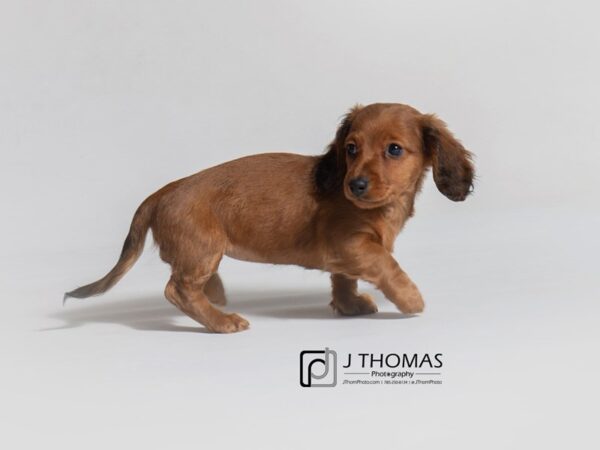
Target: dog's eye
351, 149
394, 150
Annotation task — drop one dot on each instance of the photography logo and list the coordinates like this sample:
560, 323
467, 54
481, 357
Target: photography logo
318, 368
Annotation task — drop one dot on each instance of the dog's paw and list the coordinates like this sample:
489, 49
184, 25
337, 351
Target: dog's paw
354, 306
229, 323
411, 301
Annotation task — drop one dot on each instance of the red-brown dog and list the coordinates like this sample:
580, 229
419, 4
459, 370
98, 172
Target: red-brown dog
339, 212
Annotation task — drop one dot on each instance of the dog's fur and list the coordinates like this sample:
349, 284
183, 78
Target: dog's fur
290, 209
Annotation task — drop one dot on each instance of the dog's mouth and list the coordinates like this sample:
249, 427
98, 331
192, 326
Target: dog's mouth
368, 201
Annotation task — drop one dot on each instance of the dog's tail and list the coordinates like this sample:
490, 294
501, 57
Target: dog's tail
132, 249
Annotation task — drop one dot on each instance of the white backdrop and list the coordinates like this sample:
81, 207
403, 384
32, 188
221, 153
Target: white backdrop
101, 103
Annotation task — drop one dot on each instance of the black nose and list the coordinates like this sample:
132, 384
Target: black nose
359, 186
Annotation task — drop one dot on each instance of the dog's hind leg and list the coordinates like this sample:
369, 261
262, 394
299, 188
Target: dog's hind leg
185, 290
191, 272
215, 291
346, 300
193, 249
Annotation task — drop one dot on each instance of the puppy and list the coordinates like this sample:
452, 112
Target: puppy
339, 212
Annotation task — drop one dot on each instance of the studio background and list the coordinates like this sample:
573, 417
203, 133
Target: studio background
102, 103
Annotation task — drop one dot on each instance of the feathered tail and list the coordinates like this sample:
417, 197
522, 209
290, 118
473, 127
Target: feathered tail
132, 249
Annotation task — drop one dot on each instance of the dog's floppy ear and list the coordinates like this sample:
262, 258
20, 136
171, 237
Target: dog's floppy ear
331, 167
453, 170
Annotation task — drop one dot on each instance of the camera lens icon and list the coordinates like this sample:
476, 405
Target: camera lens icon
318, 368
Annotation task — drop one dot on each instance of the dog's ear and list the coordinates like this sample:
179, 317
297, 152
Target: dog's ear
453, 169
331, 167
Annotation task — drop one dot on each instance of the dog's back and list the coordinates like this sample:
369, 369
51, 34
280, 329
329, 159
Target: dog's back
246, 203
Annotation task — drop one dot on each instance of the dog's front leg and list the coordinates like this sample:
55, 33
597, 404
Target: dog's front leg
371, 262
346, 300
397, 286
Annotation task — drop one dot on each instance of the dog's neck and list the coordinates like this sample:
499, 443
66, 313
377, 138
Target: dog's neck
400, 210
397, 213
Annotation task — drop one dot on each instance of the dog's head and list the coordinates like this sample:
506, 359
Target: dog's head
381, 151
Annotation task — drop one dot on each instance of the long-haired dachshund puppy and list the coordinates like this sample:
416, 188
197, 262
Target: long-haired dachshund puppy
339, 212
